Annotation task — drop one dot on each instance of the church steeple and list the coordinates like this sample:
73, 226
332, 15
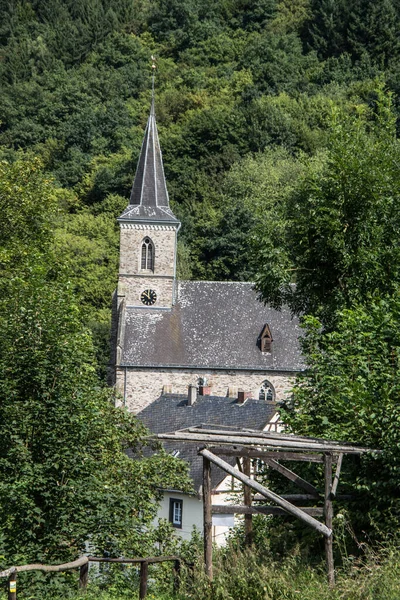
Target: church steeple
149, 196
149, 187
148, 231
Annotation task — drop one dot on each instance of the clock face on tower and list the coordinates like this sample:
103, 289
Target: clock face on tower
148, 297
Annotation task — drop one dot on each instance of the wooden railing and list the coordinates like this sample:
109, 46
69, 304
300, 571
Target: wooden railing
83, 565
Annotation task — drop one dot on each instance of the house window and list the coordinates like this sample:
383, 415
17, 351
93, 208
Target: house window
267, 392
175, 512
147, 262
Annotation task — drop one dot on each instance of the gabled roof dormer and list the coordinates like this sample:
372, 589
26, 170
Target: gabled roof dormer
265, 340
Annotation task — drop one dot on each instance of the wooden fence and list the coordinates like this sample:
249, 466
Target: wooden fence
83, 565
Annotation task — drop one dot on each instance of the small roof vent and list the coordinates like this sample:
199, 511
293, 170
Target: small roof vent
242, 396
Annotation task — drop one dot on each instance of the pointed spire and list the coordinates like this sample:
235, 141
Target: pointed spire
149, 187
149, 200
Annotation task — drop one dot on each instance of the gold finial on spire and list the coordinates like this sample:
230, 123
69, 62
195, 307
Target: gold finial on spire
153, 66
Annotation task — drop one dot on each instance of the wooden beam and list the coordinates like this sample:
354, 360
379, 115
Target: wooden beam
267, 435
47, 568
12, 585
328, 519
177, 575
84, 576
144, 573
207, 517
290, 508
308, 487
337, 475
259, 441
149, 559
248, 519
296, 498
232, 509
264, 454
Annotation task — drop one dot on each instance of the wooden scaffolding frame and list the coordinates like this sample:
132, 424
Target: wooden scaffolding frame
273, 449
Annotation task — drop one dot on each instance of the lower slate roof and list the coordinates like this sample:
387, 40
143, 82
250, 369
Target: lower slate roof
211, 325
171, 412
148, 214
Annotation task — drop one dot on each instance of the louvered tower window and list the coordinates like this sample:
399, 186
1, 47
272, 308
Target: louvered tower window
147, 263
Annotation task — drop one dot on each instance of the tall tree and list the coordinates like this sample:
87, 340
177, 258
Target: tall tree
340, 239
351, 391
65, 478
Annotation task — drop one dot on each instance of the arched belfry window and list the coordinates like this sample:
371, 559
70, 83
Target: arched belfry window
147, 261
267, 392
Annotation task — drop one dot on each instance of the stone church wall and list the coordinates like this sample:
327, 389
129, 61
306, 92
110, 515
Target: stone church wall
164, 246
140, 387
132, 287
132, 279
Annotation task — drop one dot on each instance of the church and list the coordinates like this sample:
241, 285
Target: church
171, 334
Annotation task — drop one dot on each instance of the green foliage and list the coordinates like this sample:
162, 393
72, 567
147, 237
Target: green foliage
341, 223
25, 223
360, 28
338, 241
248, 574
233, 78
240, 575
351, 392
65, 479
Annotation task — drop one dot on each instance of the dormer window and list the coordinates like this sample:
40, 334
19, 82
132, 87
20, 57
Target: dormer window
147, 262
266, 340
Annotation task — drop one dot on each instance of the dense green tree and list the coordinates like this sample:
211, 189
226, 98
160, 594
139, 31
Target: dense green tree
341, 231
255, 191
351, 391
65, 478
359, 28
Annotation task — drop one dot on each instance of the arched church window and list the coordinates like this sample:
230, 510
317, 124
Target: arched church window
267, 392
147, 262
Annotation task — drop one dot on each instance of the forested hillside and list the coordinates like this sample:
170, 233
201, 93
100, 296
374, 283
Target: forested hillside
245, 92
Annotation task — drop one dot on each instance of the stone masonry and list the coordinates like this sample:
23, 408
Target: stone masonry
132, 279
137, 388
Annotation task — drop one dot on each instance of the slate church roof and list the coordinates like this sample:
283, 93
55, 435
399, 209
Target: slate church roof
149, 195
212, 325
171, 412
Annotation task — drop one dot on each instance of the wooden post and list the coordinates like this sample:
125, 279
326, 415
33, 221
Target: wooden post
279, 500
84, 576
248, 519
12, 586
177, 574
207, 516
337, 475
144, 571
328, 519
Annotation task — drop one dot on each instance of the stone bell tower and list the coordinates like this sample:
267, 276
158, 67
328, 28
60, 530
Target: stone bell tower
149, 230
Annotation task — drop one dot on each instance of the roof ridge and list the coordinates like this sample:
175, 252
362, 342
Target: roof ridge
219, 282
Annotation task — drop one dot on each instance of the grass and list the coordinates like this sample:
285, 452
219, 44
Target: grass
247, 575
